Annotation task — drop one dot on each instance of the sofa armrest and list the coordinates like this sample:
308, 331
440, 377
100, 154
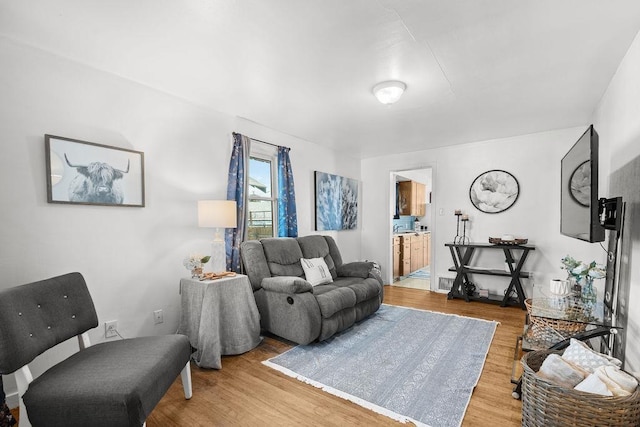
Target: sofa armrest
355, 269
364, 269
286, 285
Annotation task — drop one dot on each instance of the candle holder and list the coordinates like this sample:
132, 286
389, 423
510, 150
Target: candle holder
456, 239
464, 240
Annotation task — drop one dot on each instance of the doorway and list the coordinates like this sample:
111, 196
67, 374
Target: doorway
412, 227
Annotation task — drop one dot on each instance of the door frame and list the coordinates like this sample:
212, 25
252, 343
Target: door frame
432, 212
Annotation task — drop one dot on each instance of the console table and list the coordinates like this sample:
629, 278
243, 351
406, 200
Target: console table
220, 317
462, 254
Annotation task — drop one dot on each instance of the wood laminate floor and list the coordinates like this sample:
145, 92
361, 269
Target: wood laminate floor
245, 392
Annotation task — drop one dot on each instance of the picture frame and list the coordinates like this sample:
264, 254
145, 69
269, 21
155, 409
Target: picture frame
336, 202
85, 173
494, 191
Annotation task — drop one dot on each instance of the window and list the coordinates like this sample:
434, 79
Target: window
262, 201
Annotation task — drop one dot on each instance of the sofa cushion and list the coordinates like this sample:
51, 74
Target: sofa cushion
255, 263
317, 247
283, 256
316, 271
365, 290
333, 299
66, 394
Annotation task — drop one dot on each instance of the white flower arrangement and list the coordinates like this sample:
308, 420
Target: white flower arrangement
195, 261
580, 269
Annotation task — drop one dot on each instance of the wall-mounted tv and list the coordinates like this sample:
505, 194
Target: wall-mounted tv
579, 194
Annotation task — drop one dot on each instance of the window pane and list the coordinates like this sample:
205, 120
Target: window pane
260, 219
259, 177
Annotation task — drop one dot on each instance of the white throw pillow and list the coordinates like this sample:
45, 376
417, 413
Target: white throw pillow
580, 354
316, 271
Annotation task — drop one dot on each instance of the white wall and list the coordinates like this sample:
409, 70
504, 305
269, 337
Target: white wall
616, 120
130, 257
535, 162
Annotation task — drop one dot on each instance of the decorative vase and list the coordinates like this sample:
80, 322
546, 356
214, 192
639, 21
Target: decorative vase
196, 272
589, 293
575, 285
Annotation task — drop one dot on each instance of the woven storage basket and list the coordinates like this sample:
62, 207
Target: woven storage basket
548, 331
547, 405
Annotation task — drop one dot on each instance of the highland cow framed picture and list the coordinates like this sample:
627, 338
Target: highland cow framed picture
86, 173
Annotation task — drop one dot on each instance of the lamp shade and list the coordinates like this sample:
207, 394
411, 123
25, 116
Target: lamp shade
390, 91
217, 213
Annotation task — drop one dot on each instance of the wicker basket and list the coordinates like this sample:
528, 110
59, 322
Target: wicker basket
547, 405
547, 331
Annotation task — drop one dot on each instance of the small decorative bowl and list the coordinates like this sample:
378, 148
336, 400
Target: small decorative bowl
499, 241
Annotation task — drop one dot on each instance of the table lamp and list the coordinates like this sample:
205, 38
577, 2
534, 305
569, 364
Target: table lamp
218, 214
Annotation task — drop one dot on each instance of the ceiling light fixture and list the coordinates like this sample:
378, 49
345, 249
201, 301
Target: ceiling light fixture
389, 92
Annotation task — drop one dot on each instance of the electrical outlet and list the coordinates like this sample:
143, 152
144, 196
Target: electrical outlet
158, 317
111, 329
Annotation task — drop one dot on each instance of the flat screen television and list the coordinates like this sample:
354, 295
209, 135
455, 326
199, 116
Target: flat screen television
579, 212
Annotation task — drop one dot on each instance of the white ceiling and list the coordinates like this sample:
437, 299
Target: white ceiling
474, 69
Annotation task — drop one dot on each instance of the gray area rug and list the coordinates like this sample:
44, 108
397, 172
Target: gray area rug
411, 365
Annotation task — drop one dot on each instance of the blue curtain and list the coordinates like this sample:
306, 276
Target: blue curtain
287, 217
237, 190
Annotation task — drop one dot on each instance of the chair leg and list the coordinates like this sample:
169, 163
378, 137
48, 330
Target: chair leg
23, 378
186, 380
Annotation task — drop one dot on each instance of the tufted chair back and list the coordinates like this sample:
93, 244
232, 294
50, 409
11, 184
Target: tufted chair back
34, 318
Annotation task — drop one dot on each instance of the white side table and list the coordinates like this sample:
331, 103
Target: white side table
220, 317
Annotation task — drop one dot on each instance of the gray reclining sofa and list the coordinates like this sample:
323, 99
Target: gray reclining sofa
290, 306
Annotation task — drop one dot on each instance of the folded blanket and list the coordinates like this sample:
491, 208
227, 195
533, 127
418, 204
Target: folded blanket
593, 384
617, 381
561, 372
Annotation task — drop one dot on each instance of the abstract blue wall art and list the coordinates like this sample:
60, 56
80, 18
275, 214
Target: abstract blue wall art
336, 202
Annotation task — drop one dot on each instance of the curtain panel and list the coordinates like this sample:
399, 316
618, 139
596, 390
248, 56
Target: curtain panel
287, 216
237, 190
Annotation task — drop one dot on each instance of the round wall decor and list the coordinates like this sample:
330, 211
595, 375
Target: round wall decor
494, 191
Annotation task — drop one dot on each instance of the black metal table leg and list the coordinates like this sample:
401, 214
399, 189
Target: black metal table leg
460, 259
515, 275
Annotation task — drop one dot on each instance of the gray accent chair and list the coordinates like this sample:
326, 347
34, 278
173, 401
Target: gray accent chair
114, 383
293, 309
